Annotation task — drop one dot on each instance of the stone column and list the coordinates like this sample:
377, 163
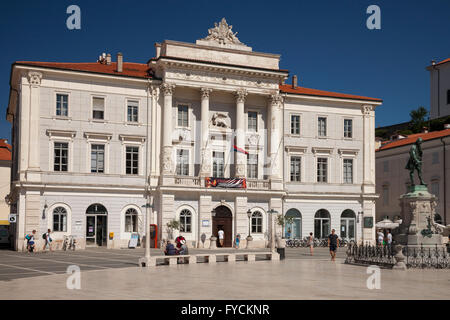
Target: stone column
205, 169
276, 133
167, 161
152, 122
34, 79
368, 112
241, 220
205, 208
241, 158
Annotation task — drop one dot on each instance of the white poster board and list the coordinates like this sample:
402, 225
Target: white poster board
133, 240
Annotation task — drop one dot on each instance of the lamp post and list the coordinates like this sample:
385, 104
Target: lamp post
272, 232
249, 237
146, 259
358, 220
212, 239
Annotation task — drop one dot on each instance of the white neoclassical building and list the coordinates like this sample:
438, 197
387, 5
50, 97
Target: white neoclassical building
207, 134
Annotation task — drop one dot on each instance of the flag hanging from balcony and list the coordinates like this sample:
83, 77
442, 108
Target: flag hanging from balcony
237, 149
226, 183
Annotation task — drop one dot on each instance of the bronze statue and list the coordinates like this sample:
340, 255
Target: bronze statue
415, 161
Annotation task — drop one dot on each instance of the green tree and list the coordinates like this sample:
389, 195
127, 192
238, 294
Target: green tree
418, 119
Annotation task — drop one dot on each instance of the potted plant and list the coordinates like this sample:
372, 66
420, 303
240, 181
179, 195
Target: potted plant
172, 225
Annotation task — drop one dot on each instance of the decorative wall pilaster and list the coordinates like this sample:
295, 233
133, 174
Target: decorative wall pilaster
241, 158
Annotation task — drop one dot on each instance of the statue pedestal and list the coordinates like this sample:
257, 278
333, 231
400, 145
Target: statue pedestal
417, 211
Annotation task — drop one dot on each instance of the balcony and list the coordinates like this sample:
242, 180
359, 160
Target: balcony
258, 184
188, 181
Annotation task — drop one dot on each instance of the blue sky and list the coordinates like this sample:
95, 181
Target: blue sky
326, 43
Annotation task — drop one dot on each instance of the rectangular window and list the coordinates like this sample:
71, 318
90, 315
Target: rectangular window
183, 116
348, 128
322, 169
132, 111
435, 159
386, 166
252, 166
295, 124
385, 195
252, 121
322, 127
435, 188
62, 105
218, 164
183, 162
98, 108
98, 158
61, 156
295, 169
132, 160
348, 170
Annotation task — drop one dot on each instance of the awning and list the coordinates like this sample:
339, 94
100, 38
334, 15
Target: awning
386, 224
4, 223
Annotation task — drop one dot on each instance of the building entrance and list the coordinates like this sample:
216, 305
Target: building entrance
96, 225
223, 220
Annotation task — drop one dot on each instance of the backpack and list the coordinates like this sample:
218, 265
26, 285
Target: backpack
44, 236
28, 237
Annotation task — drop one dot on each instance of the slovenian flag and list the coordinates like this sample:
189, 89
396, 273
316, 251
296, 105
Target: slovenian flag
236, 149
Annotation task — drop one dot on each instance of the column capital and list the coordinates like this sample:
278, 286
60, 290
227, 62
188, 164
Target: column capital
366, 109
167, 88
205, 92
152, 90
275, 99
240, 95
34, 78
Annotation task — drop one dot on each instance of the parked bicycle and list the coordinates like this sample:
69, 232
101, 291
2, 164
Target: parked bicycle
69, 243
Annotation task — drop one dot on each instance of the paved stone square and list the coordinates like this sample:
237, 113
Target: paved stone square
112, 275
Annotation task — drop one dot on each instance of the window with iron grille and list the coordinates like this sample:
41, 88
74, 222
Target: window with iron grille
322, 126
61, 154
59, 219
132, 160
98, 108
218, 164
131, 220
132, 111
98, 158
322, 167
252, 166
348, 128
185, 220
296, 169
182, 162
62, 105
183, 116
348, 170
295, 124
257, 221
252, 121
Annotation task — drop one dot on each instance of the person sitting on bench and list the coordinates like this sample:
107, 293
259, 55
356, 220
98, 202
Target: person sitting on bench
170, 249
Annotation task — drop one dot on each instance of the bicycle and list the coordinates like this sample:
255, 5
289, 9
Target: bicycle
69, 242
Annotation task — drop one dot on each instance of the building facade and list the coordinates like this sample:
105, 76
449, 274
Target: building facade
393, 179
5, 170
207, 134
439, 88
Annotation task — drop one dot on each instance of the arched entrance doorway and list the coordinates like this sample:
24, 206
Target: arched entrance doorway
223, 219
322, 224
96, 225
293, 230
348, 223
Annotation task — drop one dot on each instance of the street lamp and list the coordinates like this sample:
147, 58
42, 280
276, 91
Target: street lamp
146, 258
272, 235
249, 215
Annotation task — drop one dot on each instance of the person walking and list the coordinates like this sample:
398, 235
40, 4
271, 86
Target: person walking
30, 241
48, 240
221, 235
333, 243
237, 241
380, 236
311, 243
389, 240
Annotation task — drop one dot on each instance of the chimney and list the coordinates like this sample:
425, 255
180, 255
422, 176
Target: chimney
294, 81
108, 59
158, 50
119, 62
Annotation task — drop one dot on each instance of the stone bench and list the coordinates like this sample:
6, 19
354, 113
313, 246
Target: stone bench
210, 258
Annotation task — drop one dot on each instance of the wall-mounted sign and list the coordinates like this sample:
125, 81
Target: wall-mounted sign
12, 218
205, 223
368, 222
